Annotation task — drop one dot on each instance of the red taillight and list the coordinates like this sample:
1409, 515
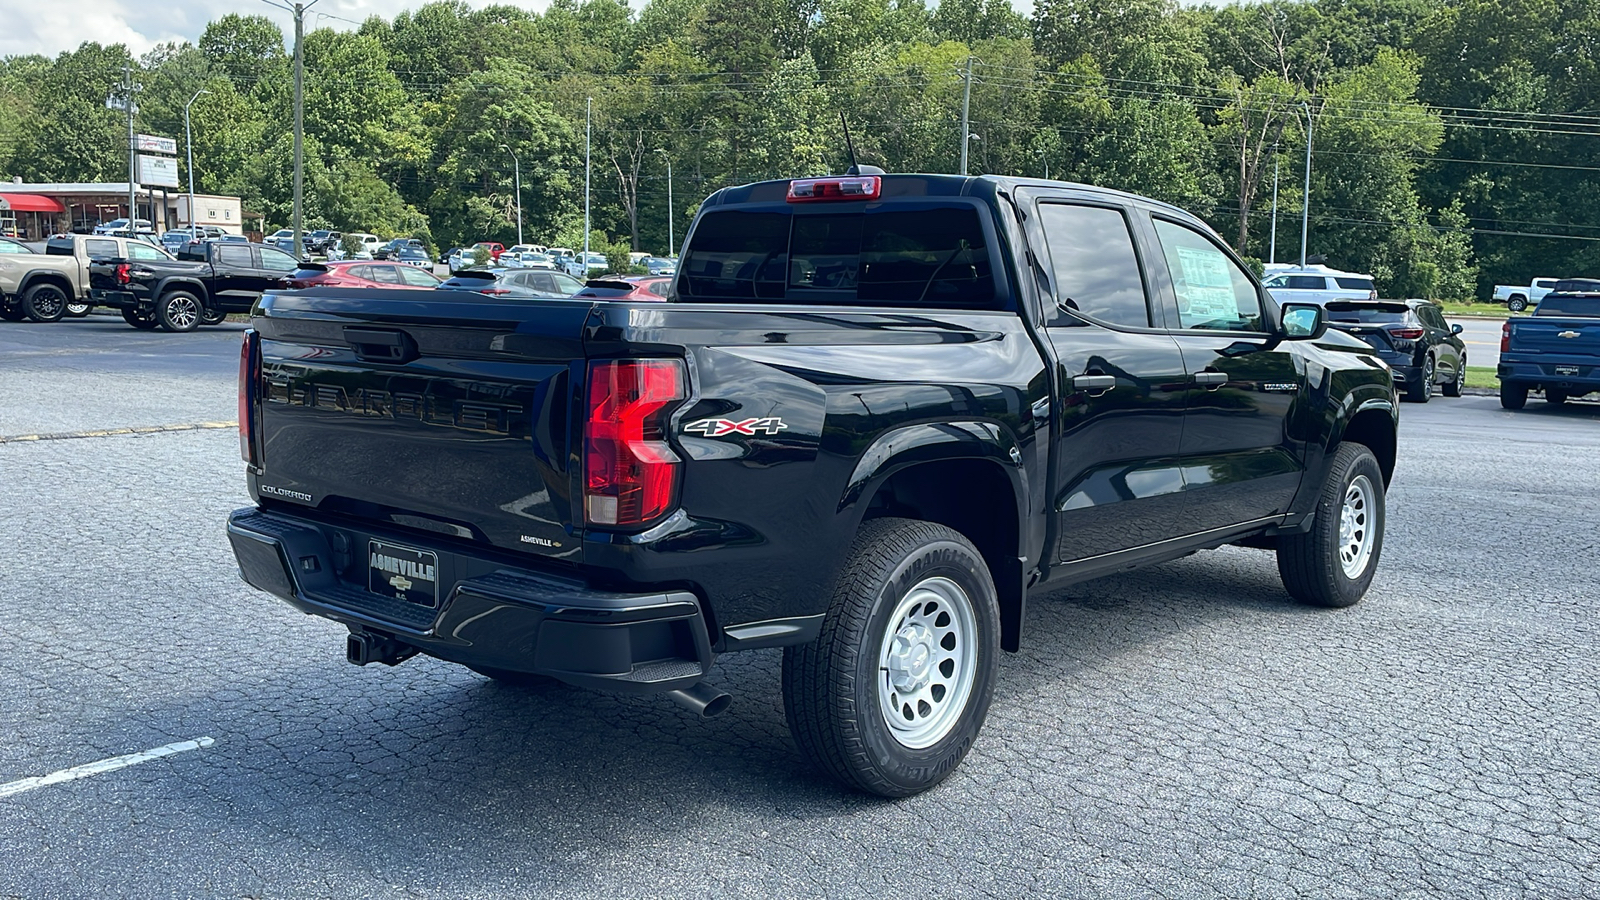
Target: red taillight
494, 292
124, 273
249, 376
630, 472
807, 190
1406, 333
1505, 337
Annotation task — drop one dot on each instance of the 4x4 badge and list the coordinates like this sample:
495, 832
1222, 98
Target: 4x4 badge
721, 427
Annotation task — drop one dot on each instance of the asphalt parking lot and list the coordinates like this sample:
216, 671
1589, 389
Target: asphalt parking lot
1185, 731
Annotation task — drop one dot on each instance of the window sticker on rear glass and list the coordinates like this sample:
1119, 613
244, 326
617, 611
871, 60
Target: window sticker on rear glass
1205, 289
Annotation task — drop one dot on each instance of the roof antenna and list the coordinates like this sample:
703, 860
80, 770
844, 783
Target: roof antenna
850, 147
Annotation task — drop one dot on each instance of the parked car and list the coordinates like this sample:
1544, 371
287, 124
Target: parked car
368, 242
1317, 284
120, 226
1518, 298
530, 259
860, 436
392, 249
414, 256
1421, 349
499, 281
208, 280
362, 273
1556, 350
495, 248
597, 263
56, 283
627, 287
322, 240
283, 239
525, 248
660, 265
459, 258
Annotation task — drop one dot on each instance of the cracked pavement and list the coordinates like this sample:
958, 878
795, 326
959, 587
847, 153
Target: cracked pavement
1184, 731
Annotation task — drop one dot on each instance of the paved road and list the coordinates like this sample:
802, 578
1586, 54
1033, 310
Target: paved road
1180, 732
1482, 337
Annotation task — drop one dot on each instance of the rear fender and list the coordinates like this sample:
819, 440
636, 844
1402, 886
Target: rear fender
47, 276
967, 475
181, 283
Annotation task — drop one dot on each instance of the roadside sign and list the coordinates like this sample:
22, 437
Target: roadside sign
158, 170
149, 143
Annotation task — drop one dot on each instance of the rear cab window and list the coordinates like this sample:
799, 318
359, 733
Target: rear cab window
1366, 313
920, 253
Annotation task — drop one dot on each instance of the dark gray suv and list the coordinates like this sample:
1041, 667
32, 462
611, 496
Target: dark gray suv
1421, 348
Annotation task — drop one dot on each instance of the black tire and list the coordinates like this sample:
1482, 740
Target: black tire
77, 309
838, 690
179, 311
213, 316
1453, 388
12, 312
44, 303
1517, 303
1349, 521
1421, 391
1555, 396
140, 322
1513, 395
515, 679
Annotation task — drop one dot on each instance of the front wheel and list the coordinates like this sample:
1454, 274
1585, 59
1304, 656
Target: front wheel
12, 312
77, 309
1332, 564
212, 316
1453, 387
890, 696
1513, 395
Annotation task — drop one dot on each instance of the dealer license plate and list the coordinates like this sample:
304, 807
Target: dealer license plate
403, 573
1566, 370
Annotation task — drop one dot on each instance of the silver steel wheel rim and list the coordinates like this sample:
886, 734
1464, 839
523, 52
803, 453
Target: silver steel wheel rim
1357, 527
76, 308
182, 312
927, 662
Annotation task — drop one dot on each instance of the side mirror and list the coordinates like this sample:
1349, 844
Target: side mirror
1303, 321
1455, 329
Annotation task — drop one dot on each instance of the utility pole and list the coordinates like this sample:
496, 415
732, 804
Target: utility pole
188, 142
516, 168
588, 135
1305, 204
671, 240
125, 103
299, 13
1272, 251
966, 104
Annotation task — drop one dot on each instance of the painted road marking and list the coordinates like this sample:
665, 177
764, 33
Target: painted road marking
105, 765
112, 432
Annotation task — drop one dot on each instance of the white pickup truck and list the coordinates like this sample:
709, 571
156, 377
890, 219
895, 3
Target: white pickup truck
1518, 298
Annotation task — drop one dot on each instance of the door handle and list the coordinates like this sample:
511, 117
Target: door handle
1094, 385
1211, 379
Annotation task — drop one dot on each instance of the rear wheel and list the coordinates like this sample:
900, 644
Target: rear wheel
44, 303
890, 696
1422, 390
1517, 303
1332, 564
1453, 387
143, 323
1555, 396
12, 312
179, 311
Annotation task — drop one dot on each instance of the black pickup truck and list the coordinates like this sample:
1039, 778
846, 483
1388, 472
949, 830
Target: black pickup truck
208, 280
878, 412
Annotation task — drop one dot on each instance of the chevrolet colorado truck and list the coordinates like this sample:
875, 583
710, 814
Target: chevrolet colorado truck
877, 413
208, 280
43, 287
1556, 350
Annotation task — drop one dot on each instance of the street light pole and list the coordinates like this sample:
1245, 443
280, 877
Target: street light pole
966, 103
299, 12
671, 238
1272, 252
588, 135
1305, 205
516, 168
188, 143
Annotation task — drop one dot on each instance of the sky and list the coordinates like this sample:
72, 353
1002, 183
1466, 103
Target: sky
55, 26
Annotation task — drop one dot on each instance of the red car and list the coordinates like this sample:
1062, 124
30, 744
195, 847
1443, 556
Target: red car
360, 273
627, 287
494, 248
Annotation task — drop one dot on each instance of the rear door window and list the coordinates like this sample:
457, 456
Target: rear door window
277, 260
914, 255
237, 256
1355, 284
137, 250
1094, 264
387, 275
1213, 292
1305, 283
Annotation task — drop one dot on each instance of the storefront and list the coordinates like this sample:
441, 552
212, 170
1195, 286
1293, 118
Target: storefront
40, 210
30, 217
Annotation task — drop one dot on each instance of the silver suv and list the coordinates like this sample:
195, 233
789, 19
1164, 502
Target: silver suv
1317, 284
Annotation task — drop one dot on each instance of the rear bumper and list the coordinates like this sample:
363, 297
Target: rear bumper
117, 299
1574, 377
488, 615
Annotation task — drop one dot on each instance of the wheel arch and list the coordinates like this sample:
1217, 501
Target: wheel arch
35, 278
914, 472
1373, 425
169, 285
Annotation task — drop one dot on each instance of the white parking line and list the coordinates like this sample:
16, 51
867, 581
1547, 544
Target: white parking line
104, 765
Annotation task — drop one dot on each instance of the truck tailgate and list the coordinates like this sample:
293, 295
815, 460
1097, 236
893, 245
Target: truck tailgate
448, 416
1573, 339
